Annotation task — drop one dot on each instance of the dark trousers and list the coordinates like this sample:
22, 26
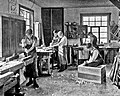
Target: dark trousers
95, 64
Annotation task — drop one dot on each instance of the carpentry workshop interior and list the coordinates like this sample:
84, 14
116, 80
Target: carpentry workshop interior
59, 47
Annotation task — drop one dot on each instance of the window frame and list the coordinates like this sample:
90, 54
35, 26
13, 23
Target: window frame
28, 10
97, 14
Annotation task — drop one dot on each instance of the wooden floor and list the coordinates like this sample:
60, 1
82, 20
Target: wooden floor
66, 84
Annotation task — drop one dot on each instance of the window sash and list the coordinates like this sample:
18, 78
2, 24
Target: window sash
28, 15
97, 21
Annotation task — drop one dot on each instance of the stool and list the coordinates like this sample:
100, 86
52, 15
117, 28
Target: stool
92, 74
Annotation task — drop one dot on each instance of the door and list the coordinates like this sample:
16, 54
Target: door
52, 19
46, 21
57, 19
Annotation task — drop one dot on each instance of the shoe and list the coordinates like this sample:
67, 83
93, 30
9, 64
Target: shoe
29, 83
35, 85
118, 87
62, 68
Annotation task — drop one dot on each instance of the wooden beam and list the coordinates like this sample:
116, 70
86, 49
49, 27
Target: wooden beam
116, 3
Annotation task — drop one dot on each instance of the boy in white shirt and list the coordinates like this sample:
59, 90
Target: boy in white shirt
61, 52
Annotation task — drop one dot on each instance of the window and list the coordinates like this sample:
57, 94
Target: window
98, 24
28, 15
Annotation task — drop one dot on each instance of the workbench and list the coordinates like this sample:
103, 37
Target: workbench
10, 74
44, 56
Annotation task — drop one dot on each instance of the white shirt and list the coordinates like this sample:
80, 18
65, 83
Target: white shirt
63, 42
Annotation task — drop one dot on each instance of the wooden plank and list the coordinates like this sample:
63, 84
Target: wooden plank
5, 77
11, 66
10, 85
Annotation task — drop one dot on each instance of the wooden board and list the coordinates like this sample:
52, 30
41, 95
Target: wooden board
5, 77
11, 66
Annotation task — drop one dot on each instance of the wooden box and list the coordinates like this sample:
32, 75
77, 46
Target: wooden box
92, 74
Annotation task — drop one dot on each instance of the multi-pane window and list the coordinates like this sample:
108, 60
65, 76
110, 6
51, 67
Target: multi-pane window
28, 15
98, 24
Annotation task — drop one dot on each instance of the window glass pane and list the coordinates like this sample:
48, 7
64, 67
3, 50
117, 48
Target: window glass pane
85, 23
98, 18
27, 22
104, 23
28, 15
92, 23
21, 13
98, 23
103, 40
31, 19
103, 35
25, 16
103, 29
88, 29
27, 27
85, 18
104, 18
95, 29
92, 18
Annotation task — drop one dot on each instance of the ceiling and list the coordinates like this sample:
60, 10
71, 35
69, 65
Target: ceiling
72, 3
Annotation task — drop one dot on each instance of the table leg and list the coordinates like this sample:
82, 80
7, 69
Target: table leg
49, 65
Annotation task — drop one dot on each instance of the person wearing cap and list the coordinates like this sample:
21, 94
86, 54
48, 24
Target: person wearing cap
93, 39
95, 58
30, 49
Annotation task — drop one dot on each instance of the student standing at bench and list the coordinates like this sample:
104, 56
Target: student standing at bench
95, 58
55, 41
61, 53
30, 49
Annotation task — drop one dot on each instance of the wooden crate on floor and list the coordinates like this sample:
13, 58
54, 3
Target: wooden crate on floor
92, 74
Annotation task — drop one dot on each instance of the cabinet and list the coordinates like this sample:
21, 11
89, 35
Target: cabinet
12, 30
52, 19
